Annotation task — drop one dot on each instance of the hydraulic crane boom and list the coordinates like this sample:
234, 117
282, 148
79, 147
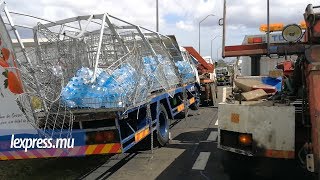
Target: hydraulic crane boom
209, 67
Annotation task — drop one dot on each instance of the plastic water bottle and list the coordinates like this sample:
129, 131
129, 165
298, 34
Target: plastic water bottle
109, 90
185, 70
85, 74
102, 78
70, 103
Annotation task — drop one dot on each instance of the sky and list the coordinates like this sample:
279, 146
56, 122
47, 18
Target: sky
177, 17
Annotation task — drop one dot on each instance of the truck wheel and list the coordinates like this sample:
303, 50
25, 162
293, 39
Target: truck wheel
163, 126
196, 104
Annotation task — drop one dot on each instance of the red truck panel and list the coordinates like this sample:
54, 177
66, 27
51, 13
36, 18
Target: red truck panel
313, 80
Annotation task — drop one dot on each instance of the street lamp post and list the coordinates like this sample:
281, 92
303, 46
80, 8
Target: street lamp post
199, 28
212, 43
218, 51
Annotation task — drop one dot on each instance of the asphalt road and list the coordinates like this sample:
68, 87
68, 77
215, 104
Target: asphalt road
191, 154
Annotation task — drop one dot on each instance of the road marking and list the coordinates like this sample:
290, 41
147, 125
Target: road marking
201, 161
224, 94
213, 136
217, 122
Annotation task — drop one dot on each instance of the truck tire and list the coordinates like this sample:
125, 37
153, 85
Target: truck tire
163, 126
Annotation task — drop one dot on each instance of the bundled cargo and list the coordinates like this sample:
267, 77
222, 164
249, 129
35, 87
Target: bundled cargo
82, 92
112, 90
185, 70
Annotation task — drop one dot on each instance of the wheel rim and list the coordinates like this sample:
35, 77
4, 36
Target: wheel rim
163, 125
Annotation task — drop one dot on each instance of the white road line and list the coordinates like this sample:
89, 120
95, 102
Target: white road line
217, 122
224, 94
201, 161
213, 136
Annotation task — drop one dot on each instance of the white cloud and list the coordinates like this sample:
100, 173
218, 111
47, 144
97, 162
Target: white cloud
188, 26
243, 16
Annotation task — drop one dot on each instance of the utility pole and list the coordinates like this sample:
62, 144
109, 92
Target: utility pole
268, 24
224, 26
157, 15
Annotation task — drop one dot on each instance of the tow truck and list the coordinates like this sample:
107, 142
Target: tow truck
207, 77
285, 125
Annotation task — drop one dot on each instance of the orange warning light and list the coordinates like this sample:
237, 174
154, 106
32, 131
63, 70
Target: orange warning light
273, 27
245, 139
